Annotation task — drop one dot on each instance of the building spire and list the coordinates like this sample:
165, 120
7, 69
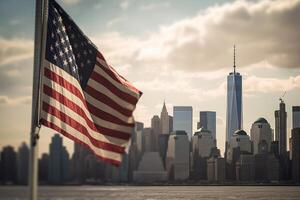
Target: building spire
234, 59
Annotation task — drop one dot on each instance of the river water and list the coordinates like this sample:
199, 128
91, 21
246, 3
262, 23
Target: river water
153, 192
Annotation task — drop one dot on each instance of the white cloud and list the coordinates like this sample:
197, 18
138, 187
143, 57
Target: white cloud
14, 22
15, 50
8, 101
125, 4
114, 22
264, 31
153, 6
267, 85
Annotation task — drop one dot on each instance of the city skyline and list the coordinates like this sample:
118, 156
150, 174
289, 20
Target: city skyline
197, 78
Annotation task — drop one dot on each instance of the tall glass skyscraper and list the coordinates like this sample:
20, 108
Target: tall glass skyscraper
234, 102
183, 119
208, 121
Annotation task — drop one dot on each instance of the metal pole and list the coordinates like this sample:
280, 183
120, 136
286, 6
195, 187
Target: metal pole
39, 51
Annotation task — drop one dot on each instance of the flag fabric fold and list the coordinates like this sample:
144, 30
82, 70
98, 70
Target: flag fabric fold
83, 97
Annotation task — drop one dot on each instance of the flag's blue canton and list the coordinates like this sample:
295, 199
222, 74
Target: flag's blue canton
67, 47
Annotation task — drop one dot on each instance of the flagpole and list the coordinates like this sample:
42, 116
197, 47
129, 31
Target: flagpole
41, 15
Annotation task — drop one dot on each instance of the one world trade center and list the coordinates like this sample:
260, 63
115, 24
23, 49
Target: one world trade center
234, 102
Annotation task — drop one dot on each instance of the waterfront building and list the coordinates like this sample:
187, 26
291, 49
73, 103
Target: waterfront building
239, 144
139, 126
202, 145
234, 119
148, 139
281, 128
216, 169
208, 122
183, 119
245, 168
296, 117
156, 130
23, 164
261, 136
163, 146
178, 154
150, 169
8, 165
43, 168
58, 161
295, 148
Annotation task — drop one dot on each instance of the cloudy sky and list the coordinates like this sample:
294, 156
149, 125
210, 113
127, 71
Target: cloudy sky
180, 51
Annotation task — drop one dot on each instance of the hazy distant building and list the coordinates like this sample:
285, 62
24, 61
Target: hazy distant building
155, 126
58, 161
202, 145
177, 161
281, 128
234, 119
163, 146
183, 119
240, 140
273, 168
43, 168
295, 148
208, 122
22, 164
216, 169
77, 163
170, 124
239, 144
204, 142
8, 165
164, 120
261, 136
139, 137
150, 169
296, 117
245, 168
148, 139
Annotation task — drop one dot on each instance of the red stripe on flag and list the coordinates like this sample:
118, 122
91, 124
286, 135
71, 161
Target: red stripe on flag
73, 106
108, 101
74, 90
106, 116
106, 83
65, 84
79, 127
117, 77
58, 129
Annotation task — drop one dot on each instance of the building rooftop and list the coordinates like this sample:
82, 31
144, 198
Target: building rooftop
202, 131
178, 133
261, 120
240, 132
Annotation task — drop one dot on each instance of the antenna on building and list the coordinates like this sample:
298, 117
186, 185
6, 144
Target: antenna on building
234, 59
281, 98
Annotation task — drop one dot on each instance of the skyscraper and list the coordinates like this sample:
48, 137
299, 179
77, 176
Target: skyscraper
296, 116
234, 102
208, 122
295, 148
177, 161
183, 119
58, 161
164, 120
155, 126
22, 164
281, 128
8, 165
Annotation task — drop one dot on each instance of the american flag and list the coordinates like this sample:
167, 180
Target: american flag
83, 97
